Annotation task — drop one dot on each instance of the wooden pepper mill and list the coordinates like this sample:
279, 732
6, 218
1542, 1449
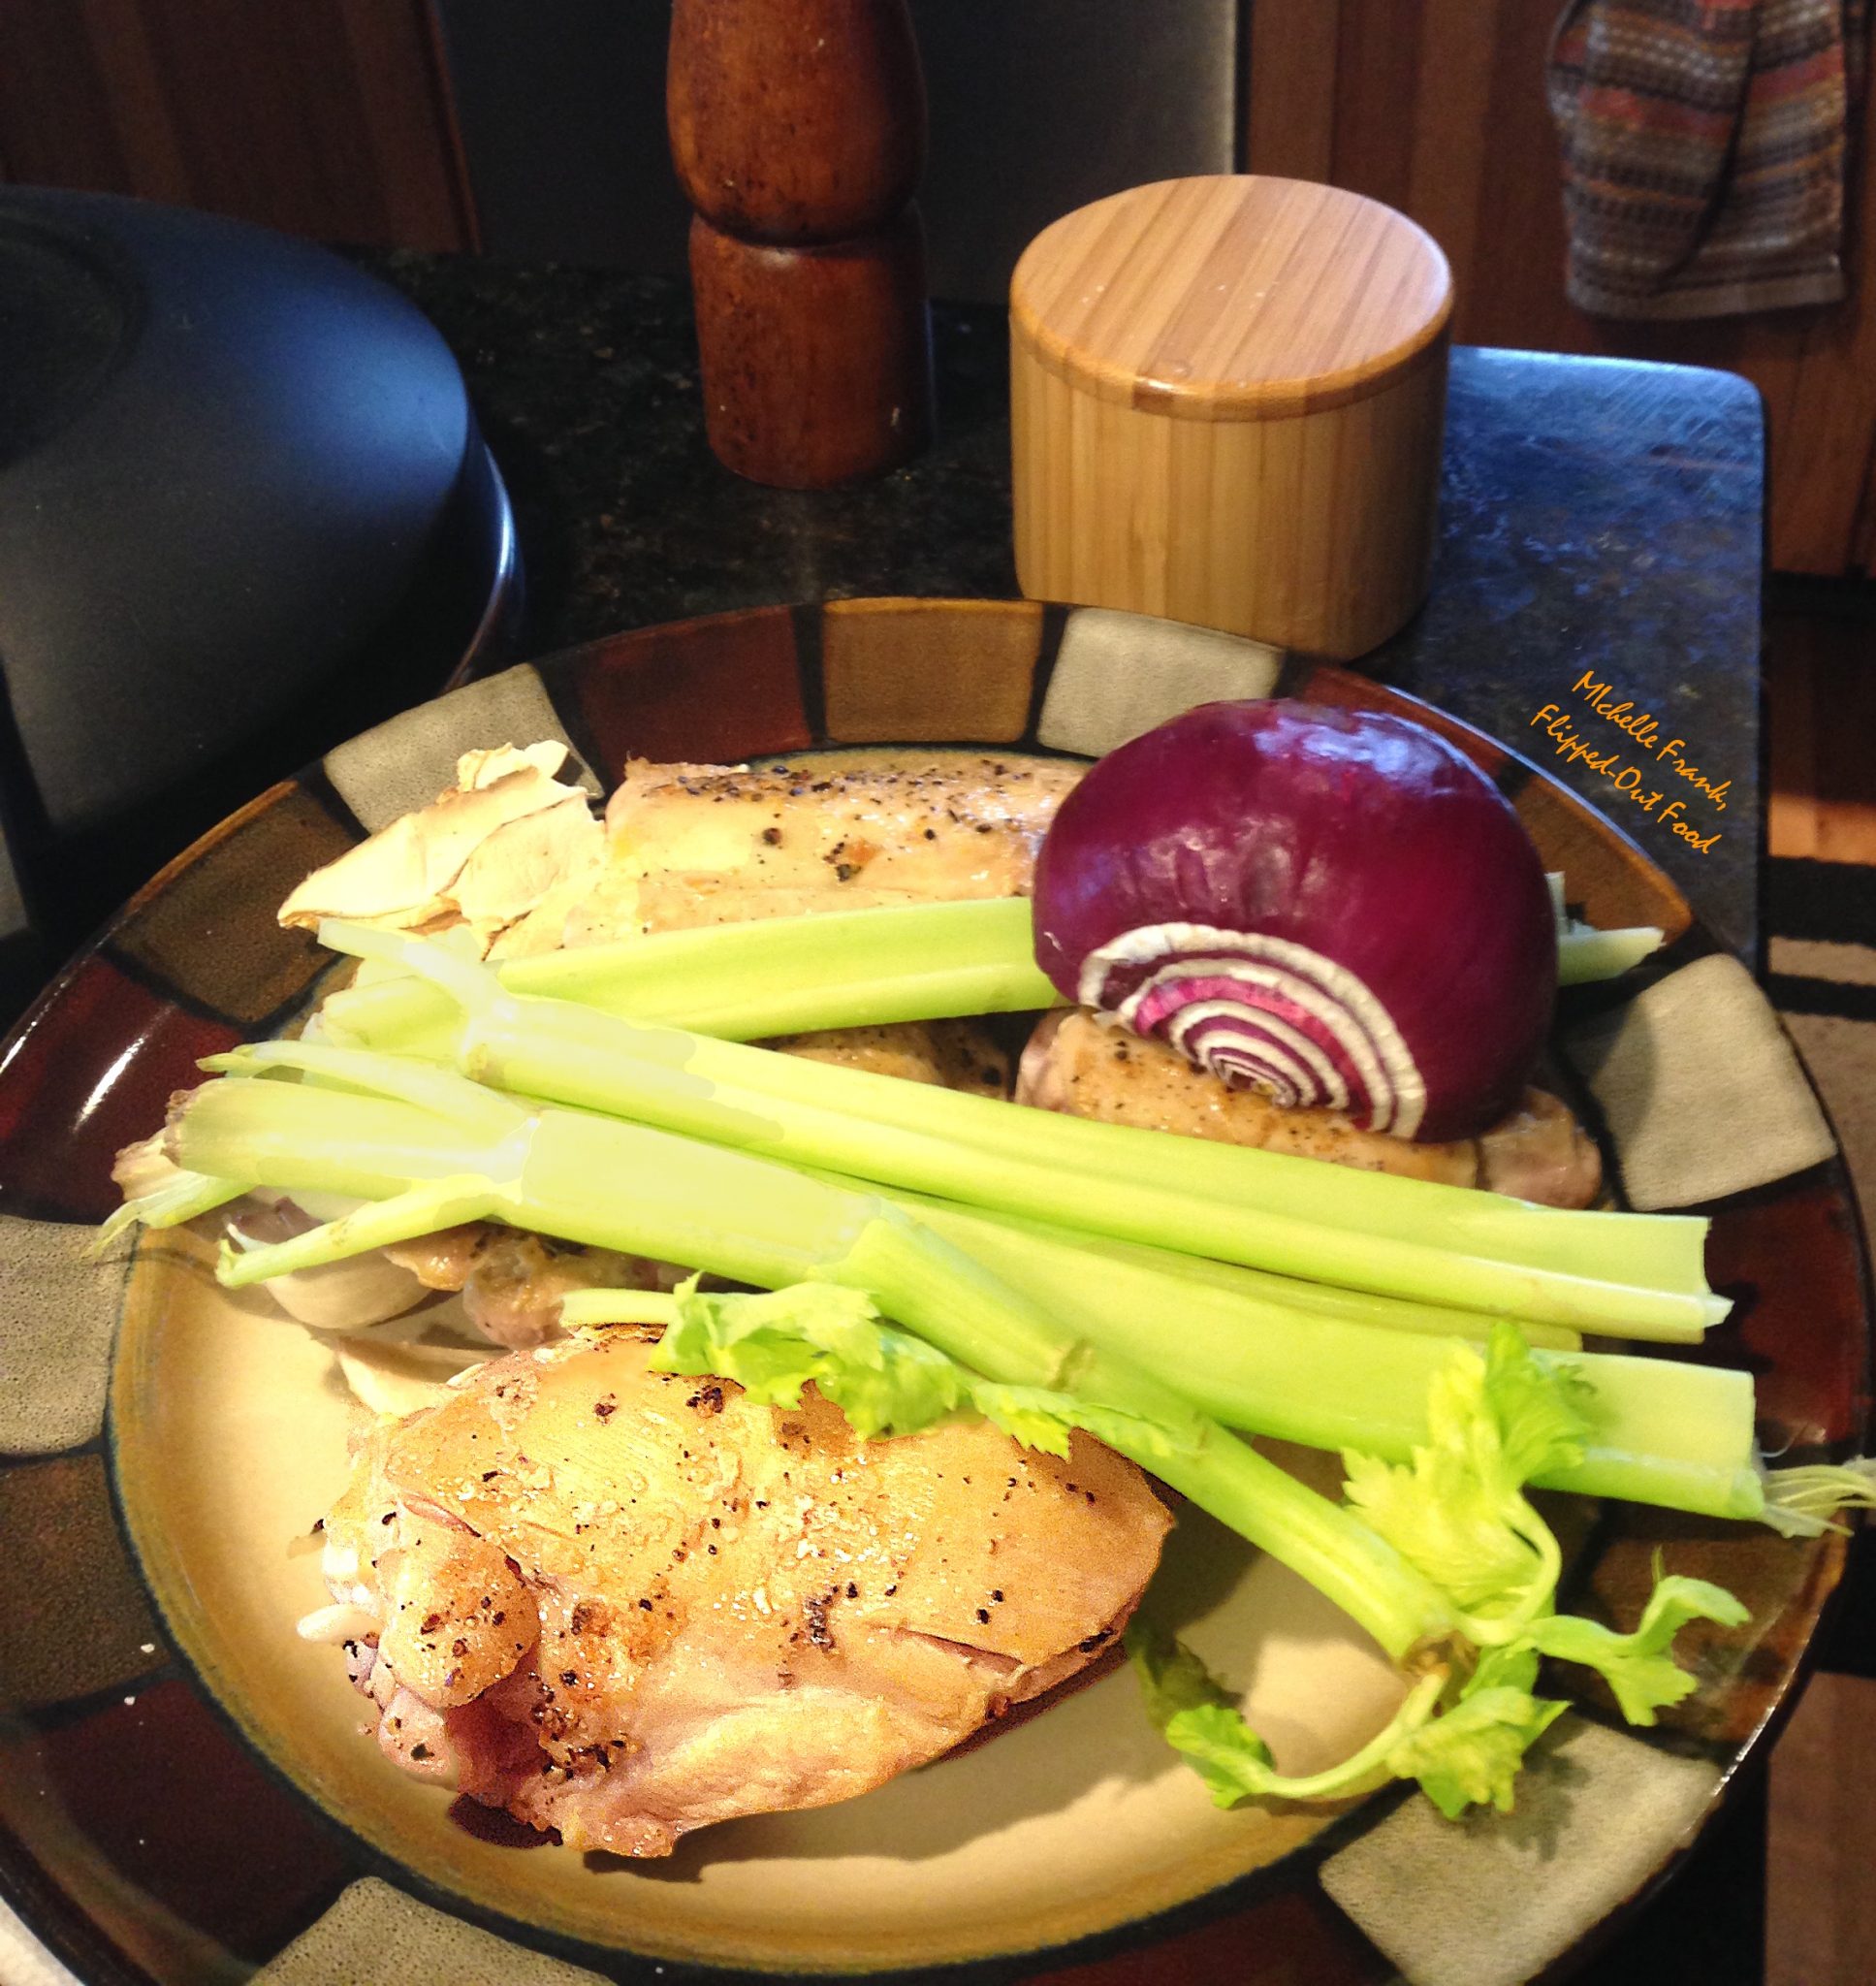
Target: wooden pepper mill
798, 133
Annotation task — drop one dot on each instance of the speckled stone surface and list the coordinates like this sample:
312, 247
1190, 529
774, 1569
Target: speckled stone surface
1606, 517
1598, 517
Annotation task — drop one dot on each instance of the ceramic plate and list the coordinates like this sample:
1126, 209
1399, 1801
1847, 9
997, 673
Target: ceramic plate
184, 1790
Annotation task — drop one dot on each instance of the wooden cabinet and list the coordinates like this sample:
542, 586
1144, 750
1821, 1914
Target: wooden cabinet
325, 118
1437, 107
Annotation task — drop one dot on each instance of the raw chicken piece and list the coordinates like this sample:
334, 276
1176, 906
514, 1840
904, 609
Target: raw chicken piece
1085, 1068
688, 845
624, 1604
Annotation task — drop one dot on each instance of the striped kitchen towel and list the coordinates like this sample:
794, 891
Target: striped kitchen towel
1703, 152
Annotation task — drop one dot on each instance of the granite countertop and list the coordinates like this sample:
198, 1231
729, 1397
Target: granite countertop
1600, 518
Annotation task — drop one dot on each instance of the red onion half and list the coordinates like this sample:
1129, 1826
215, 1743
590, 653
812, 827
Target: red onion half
1335, 907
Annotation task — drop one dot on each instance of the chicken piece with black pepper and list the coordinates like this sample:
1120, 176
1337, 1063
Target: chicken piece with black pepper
1085, 1067
624, 1605
689, 845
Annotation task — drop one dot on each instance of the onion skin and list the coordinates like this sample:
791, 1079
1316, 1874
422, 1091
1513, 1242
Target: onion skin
1358, 851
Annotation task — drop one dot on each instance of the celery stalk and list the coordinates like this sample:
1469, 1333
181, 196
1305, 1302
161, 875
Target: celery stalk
1657, 1431
469, 1106
929, 1287
574, 1049
1584, 954
561, 1172
178, 1200
573, 1056
301, 1139
1661, 1250
424, 1210
741, 982
590, 1179
1287, 1293
1673, 1434
1658, 1250
1654, 1249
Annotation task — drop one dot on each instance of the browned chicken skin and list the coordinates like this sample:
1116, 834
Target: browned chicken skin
689, 845
624, 1605
512, 1282
1084, 1068
949, 1054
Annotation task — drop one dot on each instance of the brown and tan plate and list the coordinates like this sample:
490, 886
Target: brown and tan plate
185, 1794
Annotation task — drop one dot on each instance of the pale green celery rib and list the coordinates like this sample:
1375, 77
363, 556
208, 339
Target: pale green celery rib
1584, 955
1312, 1379
1655, 1251
571, 1055
1659, 1251
776, 976
1670, 1433
1661, 1432
425, 1209
1662, 1251
1261, 1286
177, 1200
467, 1106
580, 1308
562, 1172
295, 1136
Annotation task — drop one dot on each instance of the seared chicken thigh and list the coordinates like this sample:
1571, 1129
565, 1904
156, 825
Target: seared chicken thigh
689, 845
512, 1282
624, 1605
949, 1054
1085, 1068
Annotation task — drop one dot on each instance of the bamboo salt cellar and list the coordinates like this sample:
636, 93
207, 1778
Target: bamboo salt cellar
1227, 398
798, 134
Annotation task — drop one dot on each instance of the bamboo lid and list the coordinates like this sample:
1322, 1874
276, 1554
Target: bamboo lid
1232, 298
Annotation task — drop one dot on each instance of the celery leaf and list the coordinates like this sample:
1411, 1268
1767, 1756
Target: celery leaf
1466, 1755
1456, 1510
1470, 1754
772, 1344
1639, 1667
883, 1379
1194, 1711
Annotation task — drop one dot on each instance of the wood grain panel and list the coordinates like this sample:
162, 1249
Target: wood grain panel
327, 117
1448, 153
1821, 1912
117, 43
398, 65
1821, 709
1291, 101
1378, 49
1439, 107
57, 121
